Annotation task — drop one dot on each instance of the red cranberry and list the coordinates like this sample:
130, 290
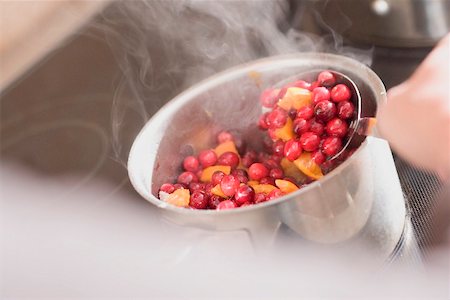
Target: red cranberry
199, 200
326, 78
229, 185
199, 173
208, 188
194, 186
268, 98
277, 158
318, 157
316, 127
331, 145
276, 173
241, 175
305, 112
272, 133
292, 150
309, 141
340, 92
301, 126
187, 177
167, 188
244, 194
325, 110
257, 171
314, 84
320, 94
278, 147
345, 109
178, 186
207, 158
216, 177
336, 127
267, 180
191, 163
276, 193
228, 159
226, 204
249, 158
262, 122
328, 166
302, 84
260, 197
277, 118
214, 200
224, 136
292, 113
270, 163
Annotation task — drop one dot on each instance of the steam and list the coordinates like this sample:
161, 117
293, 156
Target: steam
163, 47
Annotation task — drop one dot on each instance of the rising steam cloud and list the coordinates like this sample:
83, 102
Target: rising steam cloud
163, 47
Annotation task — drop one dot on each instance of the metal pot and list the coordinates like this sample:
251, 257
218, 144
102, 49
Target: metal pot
361, 200
391, 23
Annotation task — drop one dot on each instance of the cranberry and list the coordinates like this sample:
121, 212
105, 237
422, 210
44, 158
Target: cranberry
336, 127
277, 118
216, 177
260, 197
199, 200
272, 133
208, 188
276, 193
248, 158
345, 109
224, 136
229, 185
207, 158
328, 166
167, 188
244, 194
226, 204
257, 171
241, 175
262, 122
301, 126
305, 112
292, 113
325, 110
316, 127
228, 159
340, 92
292, 150
309, 141
314, 85
199, 173
214, 200
320, 94
276, 173
302, 84
187, 177
278, 147
178, 186
267, 180
268, 98
191, 163
326, 78
318, 157
270, 163
331, 145
277, 158
194, 186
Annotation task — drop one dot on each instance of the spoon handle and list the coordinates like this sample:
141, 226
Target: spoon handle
367, 127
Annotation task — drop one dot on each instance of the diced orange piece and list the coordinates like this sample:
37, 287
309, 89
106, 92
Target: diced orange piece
295, 98
209, 171
286, 186
263, 188
252, 183
179, 198
228, 146
286, 132
308, 166
291, 170
218, 191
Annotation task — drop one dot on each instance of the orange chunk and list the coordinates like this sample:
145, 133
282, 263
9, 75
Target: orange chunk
308, 166
209, 171
286, 132
252, 183
218, 191
228, 146
179, 198
291, 170
286, 186
295, 98
263, 188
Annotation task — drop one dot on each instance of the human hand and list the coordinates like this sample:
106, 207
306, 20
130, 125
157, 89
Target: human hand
416, 118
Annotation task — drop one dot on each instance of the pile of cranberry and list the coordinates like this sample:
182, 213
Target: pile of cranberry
306, 124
